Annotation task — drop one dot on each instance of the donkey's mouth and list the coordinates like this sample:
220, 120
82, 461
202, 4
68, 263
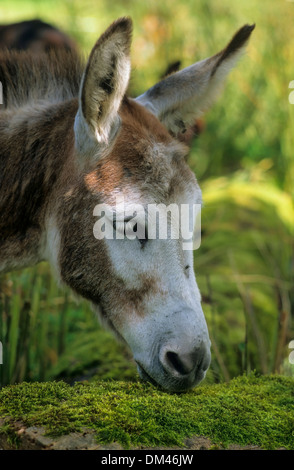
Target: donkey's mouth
144, 376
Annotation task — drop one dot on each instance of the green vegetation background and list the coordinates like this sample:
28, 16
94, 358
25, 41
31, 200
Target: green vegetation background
245, 166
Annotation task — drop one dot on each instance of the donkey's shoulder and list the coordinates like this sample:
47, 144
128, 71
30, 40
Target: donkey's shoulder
54, 76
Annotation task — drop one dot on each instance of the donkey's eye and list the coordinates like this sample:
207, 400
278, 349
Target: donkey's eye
131, 232
142, 240
119, 228
120, 225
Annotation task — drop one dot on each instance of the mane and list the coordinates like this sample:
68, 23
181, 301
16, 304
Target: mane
26, 77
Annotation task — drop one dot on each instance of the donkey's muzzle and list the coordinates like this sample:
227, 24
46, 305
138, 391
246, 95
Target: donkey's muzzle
174, 351
184, 366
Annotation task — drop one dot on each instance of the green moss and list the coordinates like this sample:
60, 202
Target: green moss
248, 410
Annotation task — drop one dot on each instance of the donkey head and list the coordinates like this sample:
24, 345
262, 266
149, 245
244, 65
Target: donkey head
130, 150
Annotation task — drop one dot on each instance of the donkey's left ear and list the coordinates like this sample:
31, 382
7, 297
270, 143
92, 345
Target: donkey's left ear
183, 96
104, 85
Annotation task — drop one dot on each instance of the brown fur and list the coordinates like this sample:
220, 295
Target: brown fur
34, 35
36, 134
50, 78
134, 164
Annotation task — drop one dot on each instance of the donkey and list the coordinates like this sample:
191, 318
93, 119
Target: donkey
34, 35
71, 139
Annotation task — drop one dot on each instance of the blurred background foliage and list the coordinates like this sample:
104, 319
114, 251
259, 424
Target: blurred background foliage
245, 166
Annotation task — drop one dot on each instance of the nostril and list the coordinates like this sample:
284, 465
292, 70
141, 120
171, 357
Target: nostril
182, 364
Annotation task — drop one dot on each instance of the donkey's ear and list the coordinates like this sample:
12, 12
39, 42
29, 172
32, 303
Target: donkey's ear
104, 84
182, 97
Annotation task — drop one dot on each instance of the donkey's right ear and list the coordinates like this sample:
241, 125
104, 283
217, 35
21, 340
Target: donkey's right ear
103, 86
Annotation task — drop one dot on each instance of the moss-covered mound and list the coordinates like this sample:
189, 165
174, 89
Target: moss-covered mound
248, 410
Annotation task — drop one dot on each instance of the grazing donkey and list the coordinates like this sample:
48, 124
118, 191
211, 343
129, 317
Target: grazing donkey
71, 140
34, 35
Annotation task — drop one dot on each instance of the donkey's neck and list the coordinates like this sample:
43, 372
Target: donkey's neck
35, 145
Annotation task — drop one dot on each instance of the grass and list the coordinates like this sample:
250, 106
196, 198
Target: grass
46, 333
248, 411
244, 164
